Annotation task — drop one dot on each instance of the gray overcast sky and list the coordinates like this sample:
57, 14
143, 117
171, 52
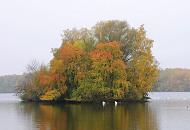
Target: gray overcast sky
30, 28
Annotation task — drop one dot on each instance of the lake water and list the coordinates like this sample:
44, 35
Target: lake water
165, 111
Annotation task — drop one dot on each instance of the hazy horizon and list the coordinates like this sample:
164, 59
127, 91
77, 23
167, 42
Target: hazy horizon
29, 29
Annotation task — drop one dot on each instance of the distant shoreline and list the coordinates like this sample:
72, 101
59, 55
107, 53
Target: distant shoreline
70, 101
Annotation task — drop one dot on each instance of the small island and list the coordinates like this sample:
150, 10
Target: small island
109, 62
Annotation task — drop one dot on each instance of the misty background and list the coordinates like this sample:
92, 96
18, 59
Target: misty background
29, 29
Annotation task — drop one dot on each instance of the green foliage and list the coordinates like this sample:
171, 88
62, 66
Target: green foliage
112, 30
107, 62
84, 36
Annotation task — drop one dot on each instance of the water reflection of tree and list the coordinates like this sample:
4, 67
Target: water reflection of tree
91, 117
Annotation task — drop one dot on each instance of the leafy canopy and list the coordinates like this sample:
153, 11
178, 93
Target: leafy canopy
110, 61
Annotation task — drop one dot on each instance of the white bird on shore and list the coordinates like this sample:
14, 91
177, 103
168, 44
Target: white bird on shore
115, 103
103, 103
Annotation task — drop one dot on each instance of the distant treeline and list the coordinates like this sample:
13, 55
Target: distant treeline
8, 83
173, 80
170, 80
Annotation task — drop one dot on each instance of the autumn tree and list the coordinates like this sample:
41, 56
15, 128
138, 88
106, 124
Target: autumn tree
74, 64
115, 30
29, 88
142, 67
110, 61
107, 78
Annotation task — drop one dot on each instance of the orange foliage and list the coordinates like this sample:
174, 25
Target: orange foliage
69, 51
108, 46
110, 50
45, 79
96, 54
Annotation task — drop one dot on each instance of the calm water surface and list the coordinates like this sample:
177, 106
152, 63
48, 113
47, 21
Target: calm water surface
165, 111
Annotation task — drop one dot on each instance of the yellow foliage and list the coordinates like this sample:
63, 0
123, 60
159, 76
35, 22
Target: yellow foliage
50, 95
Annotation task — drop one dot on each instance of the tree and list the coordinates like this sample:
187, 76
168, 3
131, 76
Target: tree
142, 67
107, 77
136, 47
29, 88
84, 36
115, 30
112, 30
110, 61
73, 64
